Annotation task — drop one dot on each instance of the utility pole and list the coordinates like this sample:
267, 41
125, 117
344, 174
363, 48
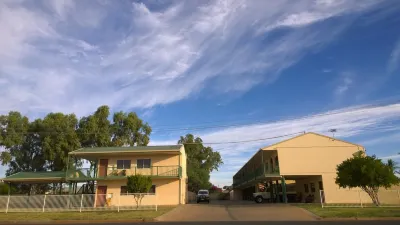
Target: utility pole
333, 131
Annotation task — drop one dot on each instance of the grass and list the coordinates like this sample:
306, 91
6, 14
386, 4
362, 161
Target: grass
334, 212
100, 215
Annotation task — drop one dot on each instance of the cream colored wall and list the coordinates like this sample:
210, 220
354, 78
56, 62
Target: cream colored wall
167, 192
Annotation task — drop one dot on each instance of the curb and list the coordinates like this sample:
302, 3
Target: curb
311, 214
362, 219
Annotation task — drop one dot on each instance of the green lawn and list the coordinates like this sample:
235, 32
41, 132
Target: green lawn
100, 215
351, 212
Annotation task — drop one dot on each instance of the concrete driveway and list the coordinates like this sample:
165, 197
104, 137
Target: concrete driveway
236, 211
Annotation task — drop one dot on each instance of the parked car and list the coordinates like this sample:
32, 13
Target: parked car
259, 197
203, 196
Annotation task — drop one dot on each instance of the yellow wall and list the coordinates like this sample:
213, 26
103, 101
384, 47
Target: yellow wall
167, 192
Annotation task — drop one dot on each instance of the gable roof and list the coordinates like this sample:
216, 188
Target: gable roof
153, 148
301, 135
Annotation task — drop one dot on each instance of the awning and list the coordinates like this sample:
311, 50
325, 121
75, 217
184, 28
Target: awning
36, 177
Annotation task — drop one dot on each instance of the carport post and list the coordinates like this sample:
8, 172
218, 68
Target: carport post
80, 209
284, 196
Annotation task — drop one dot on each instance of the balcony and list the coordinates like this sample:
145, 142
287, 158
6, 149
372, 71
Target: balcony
112, 173
262, 171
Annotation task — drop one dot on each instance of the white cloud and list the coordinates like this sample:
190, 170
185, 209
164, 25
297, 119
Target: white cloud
387, 138
349, 122
70, 58
346, 80
394, 60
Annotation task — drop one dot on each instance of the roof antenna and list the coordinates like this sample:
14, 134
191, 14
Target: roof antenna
333, 131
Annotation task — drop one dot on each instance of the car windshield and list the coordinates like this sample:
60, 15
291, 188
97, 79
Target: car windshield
203, 192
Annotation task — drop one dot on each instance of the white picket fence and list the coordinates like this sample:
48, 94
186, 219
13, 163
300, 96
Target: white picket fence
83, 202
360, 199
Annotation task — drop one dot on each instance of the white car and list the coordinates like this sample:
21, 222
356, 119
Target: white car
259, 197
203, 196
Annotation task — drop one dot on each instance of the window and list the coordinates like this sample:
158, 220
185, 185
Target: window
123, 164
320, 186
312, 187
124, 190
143, 163
306, 188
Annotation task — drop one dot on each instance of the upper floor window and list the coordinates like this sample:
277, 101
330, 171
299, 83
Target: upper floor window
306, 190
143, 163
123, 164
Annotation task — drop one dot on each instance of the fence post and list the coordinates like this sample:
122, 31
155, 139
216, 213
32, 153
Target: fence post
359, 195
80, 209
119, 201
44, 202
320, 196
8, 202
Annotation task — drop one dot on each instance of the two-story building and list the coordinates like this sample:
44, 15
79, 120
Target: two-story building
297, 169
105, 171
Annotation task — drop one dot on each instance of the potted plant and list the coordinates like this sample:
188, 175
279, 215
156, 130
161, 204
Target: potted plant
123, 173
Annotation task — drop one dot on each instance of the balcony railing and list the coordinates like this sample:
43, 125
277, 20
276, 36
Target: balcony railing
262, 171
114, 173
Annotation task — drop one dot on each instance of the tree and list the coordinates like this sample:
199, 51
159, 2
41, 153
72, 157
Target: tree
95, 130
201, 161
137, 185
59, 137
129, 130
367, 173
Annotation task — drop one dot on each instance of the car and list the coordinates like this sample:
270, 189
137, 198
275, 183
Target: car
259, 197
203, 196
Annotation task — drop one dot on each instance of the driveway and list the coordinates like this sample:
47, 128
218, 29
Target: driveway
236, 211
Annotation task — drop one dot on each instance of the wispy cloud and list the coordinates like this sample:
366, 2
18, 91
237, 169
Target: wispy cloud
387, 138
394, 60
345, 82
65, 56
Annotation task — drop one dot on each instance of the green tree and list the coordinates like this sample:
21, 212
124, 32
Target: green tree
137, 185
95, 130
59, 137
367, 173
201, 161
129, 130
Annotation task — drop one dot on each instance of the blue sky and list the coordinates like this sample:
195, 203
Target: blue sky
224, 70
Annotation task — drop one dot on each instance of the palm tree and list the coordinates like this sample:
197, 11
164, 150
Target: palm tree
393, 166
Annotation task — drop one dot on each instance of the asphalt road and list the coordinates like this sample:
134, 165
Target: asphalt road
368, 222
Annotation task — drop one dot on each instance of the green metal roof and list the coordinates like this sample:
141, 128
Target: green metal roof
42, 175
127, 149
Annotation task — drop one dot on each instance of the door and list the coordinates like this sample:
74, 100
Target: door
103, 167
101, 196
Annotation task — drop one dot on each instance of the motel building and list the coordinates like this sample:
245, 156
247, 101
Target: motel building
299, 169
103, 183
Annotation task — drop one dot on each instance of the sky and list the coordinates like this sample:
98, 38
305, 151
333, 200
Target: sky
227, 71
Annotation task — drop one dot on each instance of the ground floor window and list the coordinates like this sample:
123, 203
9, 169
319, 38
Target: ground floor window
124, 190
312, 186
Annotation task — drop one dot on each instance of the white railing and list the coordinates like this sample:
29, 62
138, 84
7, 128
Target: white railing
82, 202
360, 199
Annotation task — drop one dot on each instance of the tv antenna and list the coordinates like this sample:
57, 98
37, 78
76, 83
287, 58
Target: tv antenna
333, 131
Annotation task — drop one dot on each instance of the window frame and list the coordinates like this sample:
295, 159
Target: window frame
142, 166
124, 165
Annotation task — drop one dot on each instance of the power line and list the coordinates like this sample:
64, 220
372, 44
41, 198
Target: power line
244, 141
